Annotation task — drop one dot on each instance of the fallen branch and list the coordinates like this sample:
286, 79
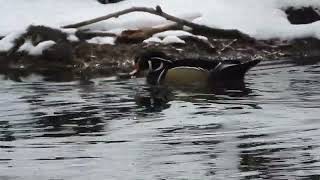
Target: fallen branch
158, 11
136, 36
85, 35
225, 46
128, 36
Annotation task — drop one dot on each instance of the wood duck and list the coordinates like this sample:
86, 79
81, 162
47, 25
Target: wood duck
161, 69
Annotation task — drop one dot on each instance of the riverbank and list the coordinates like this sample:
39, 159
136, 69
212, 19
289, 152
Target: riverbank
109, 47
94, 60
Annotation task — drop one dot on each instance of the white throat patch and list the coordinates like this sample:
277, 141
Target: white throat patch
160, 76
161, 59
150, 66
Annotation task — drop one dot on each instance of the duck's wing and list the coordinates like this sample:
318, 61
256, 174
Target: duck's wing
225, 71
186, 76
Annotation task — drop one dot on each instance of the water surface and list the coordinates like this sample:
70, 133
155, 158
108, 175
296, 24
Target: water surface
112, 129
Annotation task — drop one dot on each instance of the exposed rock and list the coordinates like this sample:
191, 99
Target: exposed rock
108, 1
37, 34
61, 52
43, 33
304, 15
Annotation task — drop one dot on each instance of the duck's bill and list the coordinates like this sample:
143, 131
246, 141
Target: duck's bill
138, 73
134, 72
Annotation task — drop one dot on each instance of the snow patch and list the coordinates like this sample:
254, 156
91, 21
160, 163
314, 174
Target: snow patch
262, 19
172, 33
166, 40
202, 38
172, 40
8, 42
153, 40
71, 34
102, 40
117, 31
35, 50
178, 33
172, 36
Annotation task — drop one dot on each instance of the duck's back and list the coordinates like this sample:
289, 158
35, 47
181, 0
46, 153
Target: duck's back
200, 63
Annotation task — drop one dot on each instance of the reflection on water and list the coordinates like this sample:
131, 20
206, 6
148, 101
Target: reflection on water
112, 129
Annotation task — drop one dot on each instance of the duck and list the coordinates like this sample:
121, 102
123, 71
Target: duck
160, 69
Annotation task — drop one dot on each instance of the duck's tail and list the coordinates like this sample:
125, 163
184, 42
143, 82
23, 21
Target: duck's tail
230, 72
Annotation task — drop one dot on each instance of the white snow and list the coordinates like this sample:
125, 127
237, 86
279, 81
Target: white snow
262, 19
19, 14
35, 50
178, 33
172, 40
202, 38
102, 40
170, 37
8, 42
152, 40
116, 31
172, 33
70, 34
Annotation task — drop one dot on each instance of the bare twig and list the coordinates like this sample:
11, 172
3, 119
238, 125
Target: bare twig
226, 46
112, 15
158, 11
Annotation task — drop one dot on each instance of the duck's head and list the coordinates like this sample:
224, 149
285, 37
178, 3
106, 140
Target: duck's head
154, 63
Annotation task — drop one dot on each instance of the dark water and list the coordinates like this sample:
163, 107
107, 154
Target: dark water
123, 130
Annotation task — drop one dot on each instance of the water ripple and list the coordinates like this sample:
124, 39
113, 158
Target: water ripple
127, 130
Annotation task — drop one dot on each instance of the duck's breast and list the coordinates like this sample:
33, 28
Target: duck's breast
187, 76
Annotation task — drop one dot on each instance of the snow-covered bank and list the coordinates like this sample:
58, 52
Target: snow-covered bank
261, 19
